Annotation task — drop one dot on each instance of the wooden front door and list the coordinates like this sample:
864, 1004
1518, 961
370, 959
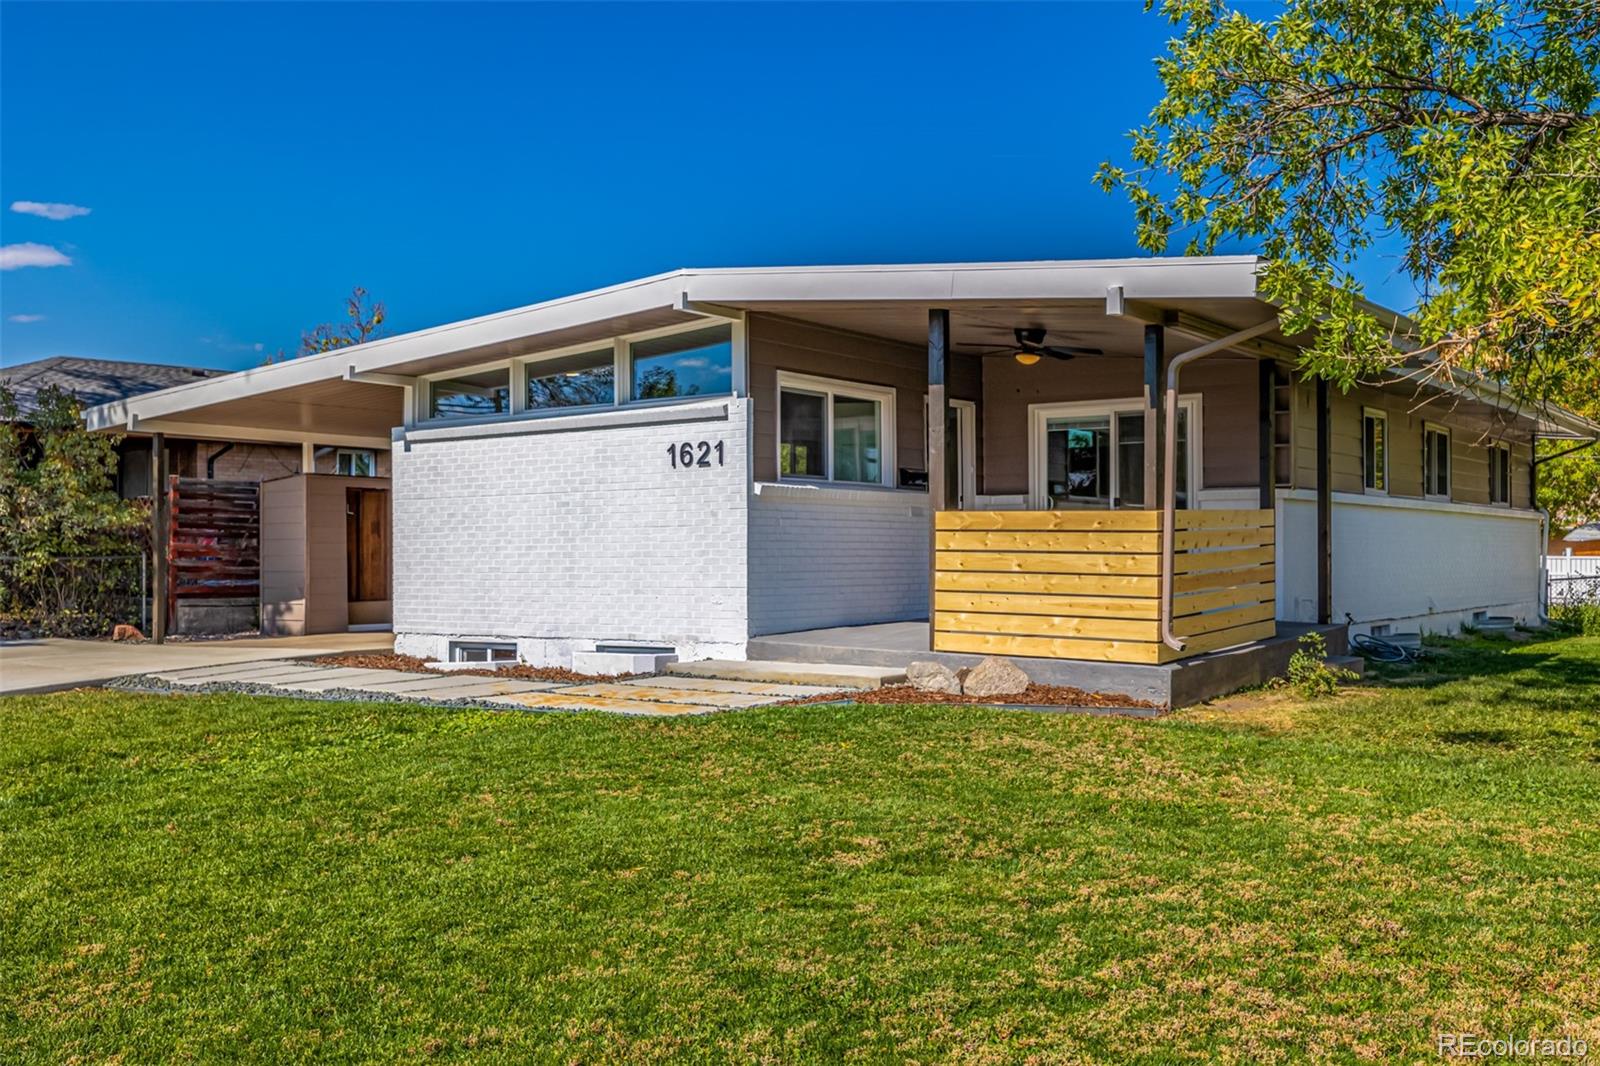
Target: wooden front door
367, 544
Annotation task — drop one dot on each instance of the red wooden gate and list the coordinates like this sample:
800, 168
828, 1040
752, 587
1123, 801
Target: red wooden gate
214, 540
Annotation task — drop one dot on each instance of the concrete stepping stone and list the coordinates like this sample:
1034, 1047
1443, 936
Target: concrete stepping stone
269, 675
694, 697
341, 677
831, 676
420, 684
466, 688
199, 675
715, 684
560, 701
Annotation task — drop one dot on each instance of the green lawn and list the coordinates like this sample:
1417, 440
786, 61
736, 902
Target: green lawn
226, 879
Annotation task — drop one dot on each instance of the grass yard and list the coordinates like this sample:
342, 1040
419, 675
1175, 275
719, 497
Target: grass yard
247, 879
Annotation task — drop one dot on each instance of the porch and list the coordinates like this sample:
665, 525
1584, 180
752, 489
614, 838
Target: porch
1169, 684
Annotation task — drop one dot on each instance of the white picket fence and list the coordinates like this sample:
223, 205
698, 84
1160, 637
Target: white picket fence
1573, 578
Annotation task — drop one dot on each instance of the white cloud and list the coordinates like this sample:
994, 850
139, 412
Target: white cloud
28, 254
54, 212
25, 318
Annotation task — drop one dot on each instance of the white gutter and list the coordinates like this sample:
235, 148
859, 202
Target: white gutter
1169, 494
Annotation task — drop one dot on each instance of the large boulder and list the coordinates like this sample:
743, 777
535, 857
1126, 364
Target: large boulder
933, 677
995, 677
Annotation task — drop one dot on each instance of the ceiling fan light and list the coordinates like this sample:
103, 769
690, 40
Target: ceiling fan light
1027, 358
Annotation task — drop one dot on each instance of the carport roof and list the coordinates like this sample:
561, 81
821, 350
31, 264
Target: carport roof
347, 394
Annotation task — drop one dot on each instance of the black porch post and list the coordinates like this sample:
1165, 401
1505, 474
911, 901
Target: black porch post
1267, 374
938, 423
158, 538
1324, 507
1155, 361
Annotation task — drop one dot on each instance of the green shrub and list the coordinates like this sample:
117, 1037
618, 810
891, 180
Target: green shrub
1309, 671
1580, 618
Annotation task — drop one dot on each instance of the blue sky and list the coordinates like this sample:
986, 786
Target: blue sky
246, 164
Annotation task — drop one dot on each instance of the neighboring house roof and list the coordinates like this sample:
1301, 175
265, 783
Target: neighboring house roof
94, 381
352, 390
1583, 533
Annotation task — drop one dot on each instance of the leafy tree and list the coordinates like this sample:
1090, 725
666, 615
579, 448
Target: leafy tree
59, 508
1462, 136
364, 320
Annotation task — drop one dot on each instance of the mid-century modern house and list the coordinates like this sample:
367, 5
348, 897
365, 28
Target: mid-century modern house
702, 459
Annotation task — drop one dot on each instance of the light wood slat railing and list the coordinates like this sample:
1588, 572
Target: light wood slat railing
1087, 585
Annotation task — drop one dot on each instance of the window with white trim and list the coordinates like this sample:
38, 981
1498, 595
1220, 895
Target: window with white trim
1436, 462
1091, 455
834, 431
355, 462
585, 379
462, 651
1374, 450
696, 363
482, 394
1500, 474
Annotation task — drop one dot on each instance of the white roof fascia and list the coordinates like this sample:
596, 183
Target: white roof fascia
1170, 278
1173, 278
661, 290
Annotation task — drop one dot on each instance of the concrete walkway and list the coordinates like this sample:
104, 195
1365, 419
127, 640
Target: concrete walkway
51, 665
636, 695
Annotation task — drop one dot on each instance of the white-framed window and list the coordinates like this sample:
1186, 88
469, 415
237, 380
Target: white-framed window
837, 431
667, 365
1435, 462
463, 651
1500, 474
682, 364
482, 393
1374, 450
580, 379
1091, 454
355, 462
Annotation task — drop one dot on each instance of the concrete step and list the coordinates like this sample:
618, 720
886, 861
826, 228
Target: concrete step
1353, 663
826, 675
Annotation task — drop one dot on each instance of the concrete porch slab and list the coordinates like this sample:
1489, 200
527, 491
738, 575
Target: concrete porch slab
897, 644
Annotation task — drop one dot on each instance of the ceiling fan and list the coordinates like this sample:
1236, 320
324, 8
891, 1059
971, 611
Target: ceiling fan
1030, 347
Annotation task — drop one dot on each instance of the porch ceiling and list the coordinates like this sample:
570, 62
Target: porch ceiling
979, 325
329, 412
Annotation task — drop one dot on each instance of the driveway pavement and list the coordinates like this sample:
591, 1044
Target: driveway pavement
49, 665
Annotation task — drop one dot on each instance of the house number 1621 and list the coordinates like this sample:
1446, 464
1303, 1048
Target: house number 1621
694, 453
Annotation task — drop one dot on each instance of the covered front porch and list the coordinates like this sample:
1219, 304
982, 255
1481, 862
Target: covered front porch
1170, 684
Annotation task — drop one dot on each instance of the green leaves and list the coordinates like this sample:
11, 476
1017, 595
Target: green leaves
1464, 134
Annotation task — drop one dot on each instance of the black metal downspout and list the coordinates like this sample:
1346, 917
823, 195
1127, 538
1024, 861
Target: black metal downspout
211, 460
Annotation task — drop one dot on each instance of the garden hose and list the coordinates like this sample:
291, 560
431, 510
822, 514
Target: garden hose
1383, 651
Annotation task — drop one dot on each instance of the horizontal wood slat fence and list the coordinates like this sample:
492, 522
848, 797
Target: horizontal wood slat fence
1087, 584
214, 540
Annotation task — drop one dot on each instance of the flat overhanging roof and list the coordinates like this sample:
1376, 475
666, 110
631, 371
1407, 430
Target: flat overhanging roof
334, 394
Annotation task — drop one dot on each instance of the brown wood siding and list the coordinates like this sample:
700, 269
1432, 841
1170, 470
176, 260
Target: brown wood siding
283, 557
777, 343
303, 552
1228, 414
1470, 439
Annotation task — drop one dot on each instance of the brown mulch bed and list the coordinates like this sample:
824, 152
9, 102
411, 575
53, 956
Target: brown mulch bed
411, 664
1033, 696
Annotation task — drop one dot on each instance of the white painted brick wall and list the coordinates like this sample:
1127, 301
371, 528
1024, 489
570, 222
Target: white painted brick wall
1411, 564
826, 556
559, 540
